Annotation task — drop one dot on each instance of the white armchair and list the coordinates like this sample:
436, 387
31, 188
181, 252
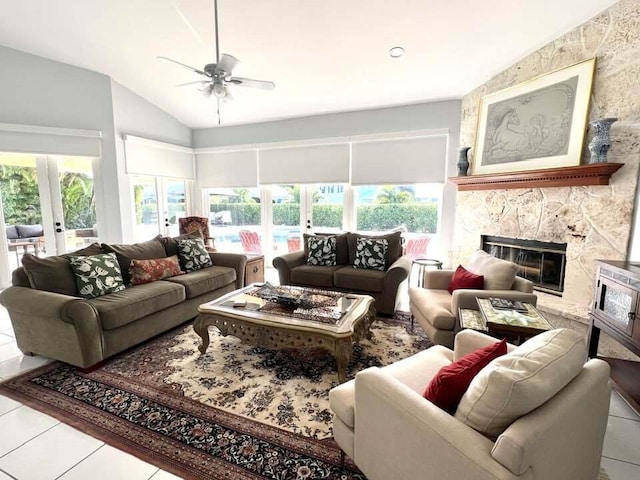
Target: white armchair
391, 432
436, 310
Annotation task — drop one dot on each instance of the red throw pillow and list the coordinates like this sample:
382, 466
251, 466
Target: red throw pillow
145, 271
463, 278
449, 385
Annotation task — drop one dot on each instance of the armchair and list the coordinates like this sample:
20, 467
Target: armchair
436, 310
560, 440
188, 225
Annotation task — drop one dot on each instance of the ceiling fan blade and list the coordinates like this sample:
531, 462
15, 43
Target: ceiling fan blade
227, 63
227, 95
184, 65
207, 91
248, 82
192, 83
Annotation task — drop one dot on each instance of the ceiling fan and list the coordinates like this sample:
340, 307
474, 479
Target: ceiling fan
219, 76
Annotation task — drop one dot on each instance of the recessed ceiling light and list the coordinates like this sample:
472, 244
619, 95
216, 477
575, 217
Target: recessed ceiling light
396, 52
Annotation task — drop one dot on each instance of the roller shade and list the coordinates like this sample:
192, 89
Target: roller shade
158, 159
305, 164
399, 161
49, 140
227, 169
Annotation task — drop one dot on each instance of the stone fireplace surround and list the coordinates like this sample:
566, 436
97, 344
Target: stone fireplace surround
594, 221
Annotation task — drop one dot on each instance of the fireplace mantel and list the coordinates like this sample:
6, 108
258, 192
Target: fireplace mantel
595, 174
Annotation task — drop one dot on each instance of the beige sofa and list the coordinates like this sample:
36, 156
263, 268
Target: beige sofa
559, 440
436, 310
49, 319
381, 285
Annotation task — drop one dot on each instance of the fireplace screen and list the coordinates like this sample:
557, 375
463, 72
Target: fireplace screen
541, 262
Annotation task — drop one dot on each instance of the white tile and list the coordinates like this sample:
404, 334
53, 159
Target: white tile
622, 439
21, 425
21, 364
50, 454
109, 463
620, 408
8, 332
9, 351
4, 476
617, 470
7, 404
162, 475
4, 339
5, 321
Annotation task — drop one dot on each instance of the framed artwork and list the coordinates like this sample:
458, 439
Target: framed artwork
536, 124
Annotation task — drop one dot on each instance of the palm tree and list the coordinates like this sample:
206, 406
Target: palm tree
244, 195
391, 194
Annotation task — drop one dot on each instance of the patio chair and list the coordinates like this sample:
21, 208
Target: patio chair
417, 247
250, 242
293, 244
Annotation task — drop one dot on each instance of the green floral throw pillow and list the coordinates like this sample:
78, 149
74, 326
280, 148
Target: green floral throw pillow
97, 275
370, 253
193, 254
322, 251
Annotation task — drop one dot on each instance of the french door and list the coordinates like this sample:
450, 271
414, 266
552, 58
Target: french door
158, 204
48, 206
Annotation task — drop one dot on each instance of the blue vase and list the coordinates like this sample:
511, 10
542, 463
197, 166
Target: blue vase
463, 162
601, 143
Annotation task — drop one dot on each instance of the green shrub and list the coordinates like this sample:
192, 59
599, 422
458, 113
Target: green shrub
417, 217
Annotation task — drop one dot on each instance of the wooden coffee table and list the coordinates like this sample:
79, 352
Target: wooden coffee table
279, 330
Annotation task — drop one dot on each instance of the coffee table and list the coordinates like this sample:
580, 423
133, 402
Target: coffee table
258, 325
509, 323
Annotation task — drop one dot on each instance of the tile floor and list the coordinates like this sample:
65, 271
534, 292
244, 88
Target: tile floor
34, 446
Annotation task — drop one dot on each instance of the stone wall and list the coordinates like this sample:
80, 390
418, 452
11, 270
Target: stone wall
596, 221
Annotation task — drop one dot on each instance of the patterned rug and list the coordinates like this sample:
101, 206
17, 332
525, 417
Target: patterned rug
235, 412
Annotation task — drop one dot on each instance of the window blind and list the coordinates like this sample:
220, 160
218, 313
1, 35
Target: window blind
227, 169
399, 161
49, 140
158, 159
305, 164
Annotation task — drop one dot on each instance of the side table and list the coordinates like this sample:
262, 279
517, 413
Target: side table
254, 270
423, 264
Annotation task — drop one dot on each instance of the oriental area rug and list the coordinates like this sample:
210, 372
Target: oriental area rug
236, 412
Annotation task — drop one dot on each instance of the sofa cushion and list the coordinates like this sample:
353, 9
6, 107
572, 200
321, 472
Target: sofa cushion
97, 275
171, 243
193, 254
462, 278
370, 253
205, 280
446, 389
123, 307
498, 274
314, 276
141, 251
342, 247
12, 232
394, 250
321, 250
54, 274
145, 271
517, 383
29, 231
434, 305
356, 279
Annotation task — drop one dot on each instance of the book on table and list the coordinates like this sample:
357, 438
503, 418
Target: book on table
506, 304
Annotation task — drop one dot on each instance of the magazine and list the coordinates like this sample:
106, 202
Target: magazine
506, 304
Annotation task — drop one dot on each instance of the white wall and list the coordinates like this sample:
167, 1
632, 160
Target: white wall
133, 115
38, 91
423, 116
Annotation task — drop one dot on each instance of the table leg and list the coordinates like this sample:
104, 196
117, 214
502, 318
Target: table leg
201, 327
344, 352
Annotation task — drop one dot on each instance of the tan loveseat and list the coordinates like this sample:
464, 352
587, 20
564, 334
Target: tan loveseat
381, 285
49, 319
560, 405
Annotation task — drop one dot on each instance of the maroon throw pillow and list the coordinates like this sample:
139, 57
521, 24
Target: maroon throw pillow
449, 385
463, 278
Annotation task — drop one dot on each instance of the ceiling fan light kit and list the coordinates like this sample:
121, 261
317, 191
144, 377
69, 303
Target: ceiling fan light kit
220, 75
396, 52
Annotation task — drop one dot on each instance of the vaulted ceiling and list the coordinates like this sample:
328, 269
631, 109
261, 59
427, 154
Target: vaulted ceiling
324, 55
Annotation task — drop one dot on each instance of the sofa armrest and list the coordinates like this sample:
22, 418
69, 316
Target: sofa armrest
466, 298
234, 260
467, 341
285, 263
522, 285
417, 435
437, 279
54, 325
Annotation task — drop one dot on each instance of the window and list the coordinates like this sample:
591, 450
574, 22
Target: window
235, 218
